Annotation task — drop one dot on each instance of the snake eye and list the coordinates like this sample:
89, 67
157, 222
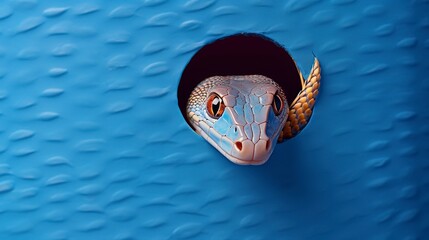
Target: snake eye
215, 106
277, 104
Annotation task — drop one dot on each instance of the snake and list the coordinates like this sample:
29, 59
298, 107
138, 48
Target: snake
245, 116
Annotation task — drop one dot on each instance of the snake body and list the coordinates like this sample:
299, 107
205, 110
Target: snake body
244, 116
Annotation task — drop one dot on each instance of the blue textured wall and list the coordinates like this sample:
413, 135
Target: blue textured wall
93, 145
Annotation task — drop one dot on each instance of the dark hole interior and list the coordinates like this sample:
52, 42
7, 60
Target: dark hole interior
240, 54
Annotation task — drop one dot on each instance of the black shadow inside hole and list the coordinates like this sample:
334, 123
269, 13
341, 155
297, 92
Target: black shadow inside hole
240, 54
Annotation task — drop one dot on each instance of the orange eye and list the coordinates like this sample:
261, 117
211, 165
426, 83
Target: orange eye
277, 104
215, 106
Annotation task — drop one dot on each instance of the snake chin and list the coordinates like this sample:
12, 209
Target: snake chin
246, 162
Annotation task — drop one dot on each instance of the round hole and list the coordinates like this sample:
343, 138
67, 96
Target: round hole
240, 54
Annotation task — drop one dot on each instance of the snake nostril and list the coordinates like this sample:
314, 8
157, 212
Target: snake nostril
239, 146
267, 147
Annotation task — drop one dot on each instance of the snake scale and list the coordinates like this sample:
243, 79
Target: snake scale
244, 116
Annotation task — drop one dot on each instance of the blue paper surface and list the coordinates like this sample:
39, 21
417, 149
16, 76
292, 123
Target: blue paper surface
93, 145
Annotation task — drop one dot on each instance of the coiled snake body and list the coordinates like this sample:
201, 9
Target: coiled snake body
244, 116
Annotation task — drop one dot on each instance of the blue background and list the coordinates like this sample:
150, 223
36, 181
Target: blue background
93, 145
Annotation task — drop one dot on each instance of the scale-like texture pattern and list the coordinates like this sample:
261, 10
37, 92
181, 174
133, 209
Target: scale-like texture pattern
93, 145
302, 106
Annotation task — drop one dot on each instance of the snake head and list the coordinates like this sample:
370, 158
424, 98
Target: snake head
241, 116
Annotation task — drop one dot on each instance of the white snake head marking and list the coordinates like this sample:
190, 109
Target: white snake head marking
241, 116
244, 116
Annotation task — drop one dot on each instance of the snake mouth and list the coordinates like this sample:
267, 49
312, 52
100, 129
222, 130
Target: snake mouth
245, 162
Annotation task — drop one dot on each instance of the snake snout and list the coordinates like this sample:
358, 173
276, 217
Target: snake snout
248, 152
